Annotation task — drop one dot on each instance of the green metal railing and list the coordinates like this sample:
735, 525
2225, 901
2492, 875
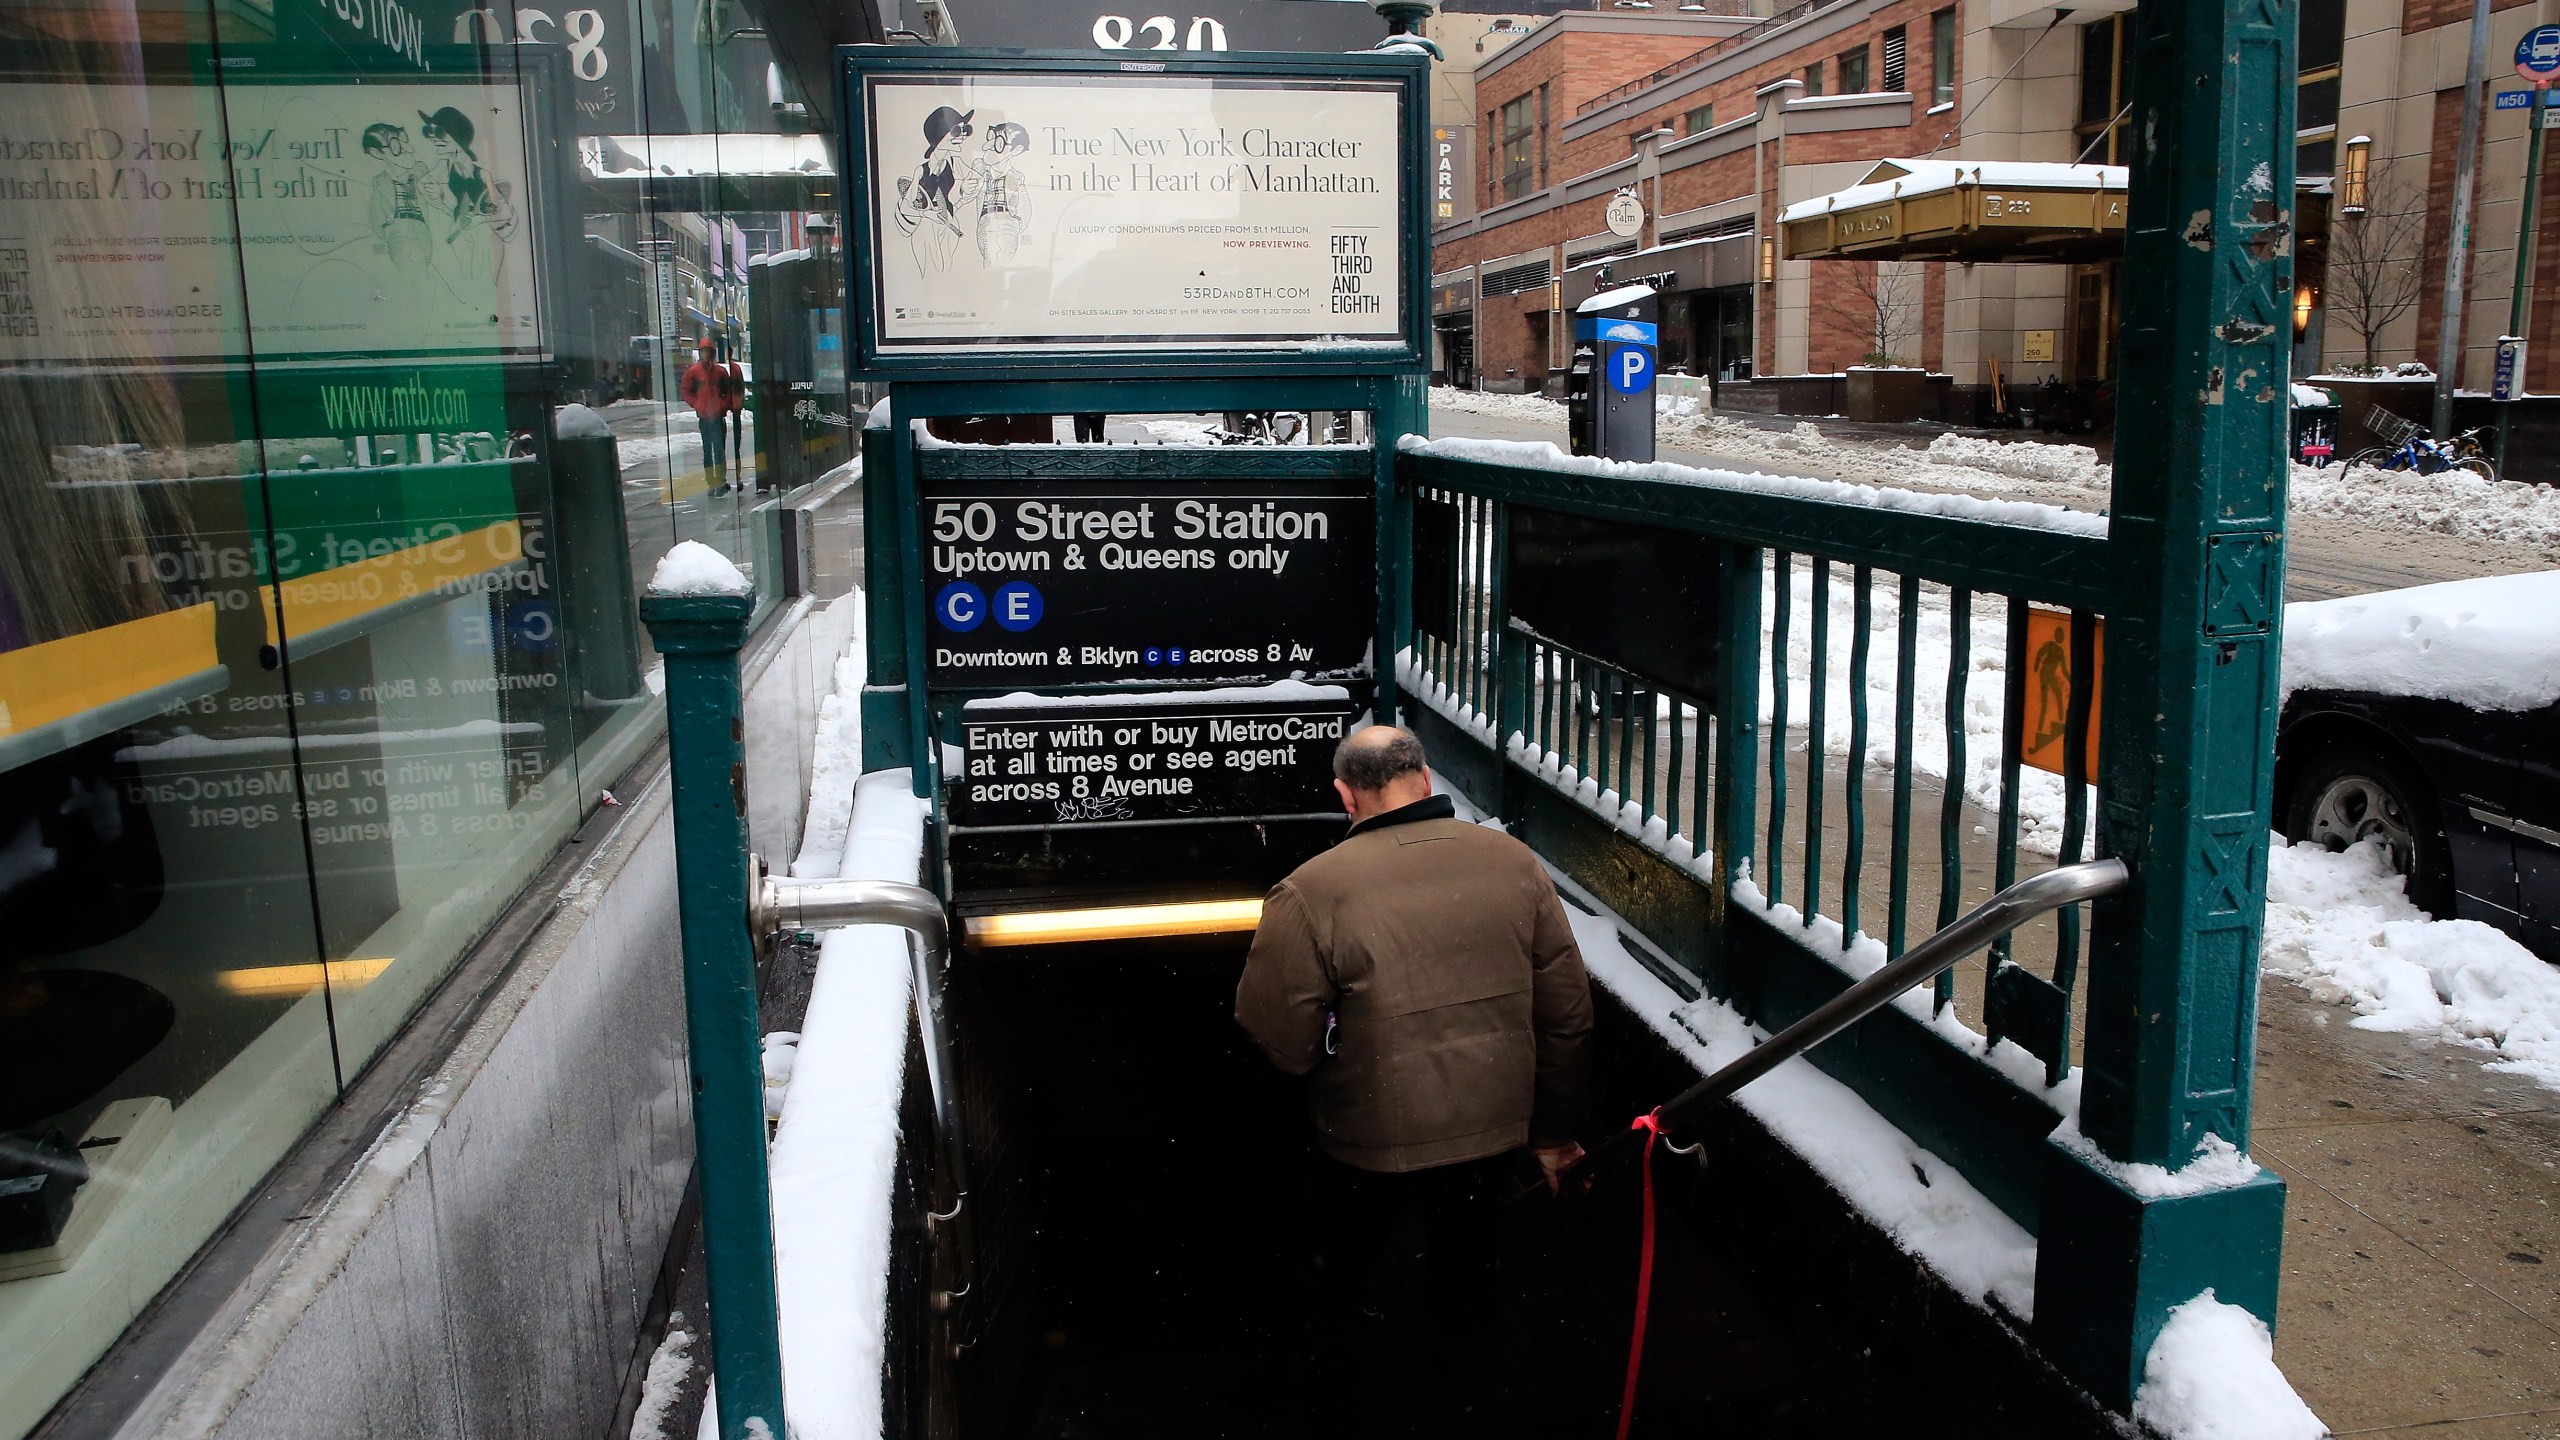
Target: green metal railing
1640, 755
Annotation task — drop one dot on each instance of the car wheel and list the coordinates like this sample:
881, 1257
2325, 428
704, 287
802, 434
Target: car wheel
2351, 792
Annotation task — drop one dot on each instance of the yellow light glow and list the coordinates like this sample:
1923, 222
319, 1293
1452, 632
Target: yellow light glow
1115, 922
277, 982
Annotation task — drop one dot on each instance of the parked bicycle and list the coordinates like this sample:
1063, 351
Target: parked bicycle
2407, 445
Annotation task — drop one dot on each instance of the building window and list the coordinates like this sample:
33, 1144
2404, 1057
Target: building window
1542, 137
1897, 45
1516, 123
1853, 71
1813, 78
2321, 29
1699, 121
1942, 58
2106, 58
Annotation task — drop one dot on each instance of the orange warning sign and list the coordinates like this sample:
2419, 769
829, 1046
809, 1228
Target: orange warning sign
2047, 685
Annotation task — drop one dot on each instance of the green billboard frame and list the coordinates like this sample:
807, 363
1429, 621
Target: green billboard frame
1406, 68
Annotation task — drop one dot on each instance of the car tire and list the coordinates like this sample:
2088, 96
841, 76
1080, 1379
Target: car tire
2352, 789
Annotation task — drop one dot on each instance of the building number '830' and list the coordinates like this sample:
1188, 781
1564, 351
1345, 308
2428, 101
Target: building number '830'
1118, 32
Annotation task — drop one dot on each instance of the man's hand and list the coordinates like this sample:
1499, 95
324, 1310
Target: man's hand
1554, 1160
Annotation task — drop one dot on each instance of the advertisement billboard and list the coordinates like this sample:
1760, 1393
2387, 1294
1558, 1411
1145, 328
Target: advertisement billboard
1136, 209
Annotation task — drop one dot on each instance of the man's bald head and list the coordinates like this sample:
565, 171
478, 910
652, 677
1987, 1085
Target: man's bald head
1379, 768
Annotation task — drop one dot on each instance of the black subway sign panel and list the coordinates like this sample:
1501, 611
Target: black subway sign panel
1192, 755
1081, 582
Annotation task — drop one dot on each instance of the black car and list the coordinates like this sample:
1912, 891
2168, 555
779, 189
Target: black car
2431, 717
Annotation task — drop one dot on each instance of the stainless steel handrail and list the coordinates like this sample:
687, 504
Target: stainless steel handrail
2036, 895
780, 904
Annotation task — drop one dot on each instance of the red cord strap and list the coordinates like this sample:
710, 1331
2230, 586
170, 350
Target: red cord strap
1651, 1125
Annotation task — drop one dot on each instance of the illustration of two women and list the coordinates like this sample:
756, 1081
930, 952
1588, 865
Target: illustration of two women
956, 196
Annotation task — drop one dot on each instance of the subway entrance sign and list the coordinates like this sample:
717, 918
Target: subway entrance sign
1078, 582
1120, 671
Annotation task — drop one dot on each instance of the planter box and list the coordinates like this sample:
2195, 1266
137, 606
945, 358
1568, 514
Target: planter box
1886, 396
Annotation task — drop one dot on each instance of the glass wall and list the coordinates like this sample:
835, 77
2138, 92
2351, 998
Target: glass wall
357, 358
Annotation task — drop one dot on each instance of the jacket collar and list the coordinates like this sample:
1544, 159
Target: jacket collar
1437, 807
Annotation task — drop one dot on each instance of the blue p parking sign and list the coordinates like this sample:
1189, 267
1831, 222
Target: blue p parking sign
1630, 369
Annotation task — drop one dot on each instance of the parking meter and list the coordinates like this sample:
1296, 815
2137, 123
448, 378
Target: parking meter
1616, 337
1579, 379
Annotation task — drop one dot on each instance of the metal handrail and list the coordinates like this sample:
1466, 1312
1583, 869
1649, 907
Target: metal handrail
2036, 895
777, 904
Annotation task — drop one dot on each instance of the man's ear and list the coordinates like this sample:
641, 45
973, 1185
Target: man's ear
1350, 798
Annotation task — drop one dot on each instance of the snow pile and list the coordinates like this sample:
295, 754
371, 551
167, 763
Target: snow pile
2312, 397
576, 422
1530, 409
2342, 927
2217, 1165
2212, 1376
781, 1054
663, 1385
1180, 432
2455, 502
835, 761
2075, 465
1428, 688
1541, 455
693, 568
837, 1147
2491, 644
838, 1087
681, 452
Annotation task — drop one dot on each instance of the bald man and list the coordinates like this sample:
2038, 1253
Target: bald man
1422, 976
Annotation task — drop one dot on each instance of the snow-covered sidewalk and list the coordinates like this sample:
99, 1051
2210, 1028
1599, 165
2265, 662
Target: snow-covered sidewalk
2342, 927
2456, 504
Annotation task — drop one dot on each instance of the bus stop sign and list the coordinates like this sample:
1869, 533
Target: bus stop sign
2538, 54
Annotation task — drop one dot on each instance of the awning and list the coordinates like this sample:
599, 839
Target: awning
1972, 210
1700, 264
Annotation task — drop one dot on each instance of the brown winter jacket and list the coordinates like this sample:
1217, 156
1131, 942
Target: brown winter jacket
1462, 1011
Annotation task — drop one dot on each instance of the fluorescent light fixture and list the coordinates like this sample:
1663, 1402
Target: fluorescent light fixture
283, 982
1114, 922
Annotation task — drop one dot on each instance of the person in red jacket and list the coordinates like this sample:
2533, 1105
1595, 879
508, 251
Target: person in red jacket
705, 388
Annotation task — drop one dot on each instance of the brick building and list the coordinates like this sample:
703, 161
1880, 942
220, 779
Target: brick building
1717, 123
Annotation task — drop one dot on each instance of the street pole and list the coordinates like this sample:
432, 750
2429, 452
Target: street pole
2457, 262
2526, 252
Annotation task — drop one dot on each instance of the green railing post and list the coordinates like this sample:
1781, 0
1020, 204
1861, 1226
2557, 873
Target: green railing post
884, 608
1403, 408
1736, 705
2186, 751
699, 636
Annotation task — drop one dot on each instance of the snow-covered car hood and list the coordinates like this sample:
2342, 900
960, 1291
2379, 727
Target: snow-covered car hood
2491, 644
